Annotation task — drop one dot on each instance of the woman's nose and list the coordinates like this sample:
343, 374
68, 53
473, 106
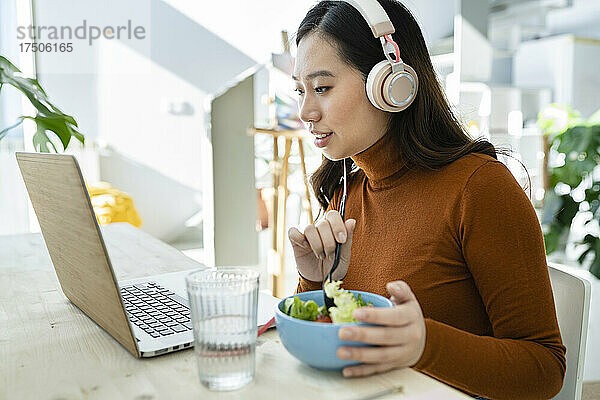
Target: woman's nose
309, 111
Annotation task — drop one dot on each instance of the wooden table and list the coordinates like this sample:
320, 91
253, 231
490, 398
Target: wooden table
51, 350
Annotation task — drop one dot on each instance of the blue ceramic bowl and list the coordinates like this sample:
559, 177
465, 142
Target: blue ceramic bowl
316, 343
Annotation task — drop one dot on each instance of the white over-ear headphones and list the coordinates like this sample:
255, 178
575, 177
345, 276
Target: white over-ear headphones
391, 84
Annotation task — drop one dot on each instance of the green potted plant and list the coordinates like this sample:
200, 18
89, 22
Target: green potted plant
573, 187
48, 118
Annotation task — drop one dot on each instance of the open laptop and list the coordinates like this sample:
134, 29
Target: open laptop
149, 316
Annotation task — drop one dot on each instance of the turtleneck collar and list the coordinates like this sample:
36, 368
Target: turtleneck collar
382, 162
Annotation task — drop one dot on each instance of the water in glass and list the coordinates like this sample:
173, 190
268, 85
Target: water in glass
224, 308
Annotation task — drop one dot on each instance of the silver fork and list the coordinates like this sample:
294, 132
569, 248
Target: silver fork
338, 248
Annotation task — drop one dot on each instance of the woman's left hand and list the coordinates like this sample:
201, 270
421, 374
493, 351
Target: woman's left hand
402, 336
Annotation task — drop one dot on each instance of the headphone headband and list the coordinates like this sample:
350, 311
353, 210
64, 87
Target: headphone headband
391, 85
375, 16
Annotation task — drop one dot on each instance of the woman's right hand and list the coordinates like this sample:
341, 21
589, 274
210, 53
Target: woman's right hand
314, 249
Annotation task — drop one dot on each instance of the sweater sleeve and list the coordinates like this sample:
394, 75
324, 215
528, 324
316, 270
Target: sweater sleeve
304, 285
503, 248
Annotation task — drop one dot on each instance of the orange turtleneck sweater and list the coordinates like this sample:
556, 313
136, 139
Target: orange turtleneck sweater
467, 240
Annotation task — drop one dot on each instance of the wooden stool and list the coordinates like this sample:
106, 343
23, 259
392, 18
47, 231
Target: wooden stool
277, 216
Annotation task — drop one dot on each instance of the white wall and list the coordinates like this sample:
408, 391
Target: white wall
565, 64
253, 27
435, 17
155, 151
14, 214
144, 98
580, 19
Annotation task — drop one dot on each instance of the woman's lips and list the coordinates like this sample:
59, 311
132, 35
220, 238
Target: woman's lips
322, 142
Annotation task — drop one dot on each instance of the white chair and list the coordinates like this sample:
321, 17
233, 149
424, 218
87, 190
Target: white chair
572, 299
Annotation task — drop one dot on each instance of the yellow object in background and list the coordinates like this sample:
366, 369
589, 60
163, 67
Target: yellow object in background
112, 205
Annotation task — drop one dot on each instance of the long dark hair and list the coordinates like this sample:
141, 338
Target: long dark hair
427, 134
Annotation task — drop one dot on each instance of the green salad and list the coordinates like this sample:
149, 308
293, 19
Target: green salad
345, 304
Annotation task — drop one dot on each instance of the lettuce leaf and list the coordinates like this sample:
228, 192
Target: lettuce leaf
306, 310
345, 303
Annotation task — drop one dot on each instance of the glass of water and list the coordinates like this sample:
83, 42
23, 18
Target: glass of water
224, 302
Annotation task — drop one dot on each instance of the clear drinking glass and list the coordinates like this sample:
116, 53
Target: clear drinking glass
224, 302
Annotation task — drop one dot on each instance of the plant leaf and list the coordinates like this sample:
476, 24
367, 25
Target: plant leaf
595, 266
39, 99
28, 86
41, 140
59, 126
7, 67
568, 211
581, 258
552, 238
552, 204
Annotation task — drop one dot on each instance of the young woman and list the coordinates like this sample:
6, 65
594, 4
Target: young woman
432, 219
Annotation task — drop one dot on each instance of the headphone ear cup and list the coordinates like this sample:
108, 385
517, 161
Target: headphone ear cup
391, 92
400, 88
374, 81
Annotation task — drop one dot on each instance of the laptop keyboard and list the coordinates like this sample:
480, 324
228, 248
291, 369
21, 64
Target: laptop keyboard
156, 310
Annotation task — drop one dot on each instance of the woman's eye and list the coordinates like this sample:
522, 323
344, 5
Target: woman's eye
319, 90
